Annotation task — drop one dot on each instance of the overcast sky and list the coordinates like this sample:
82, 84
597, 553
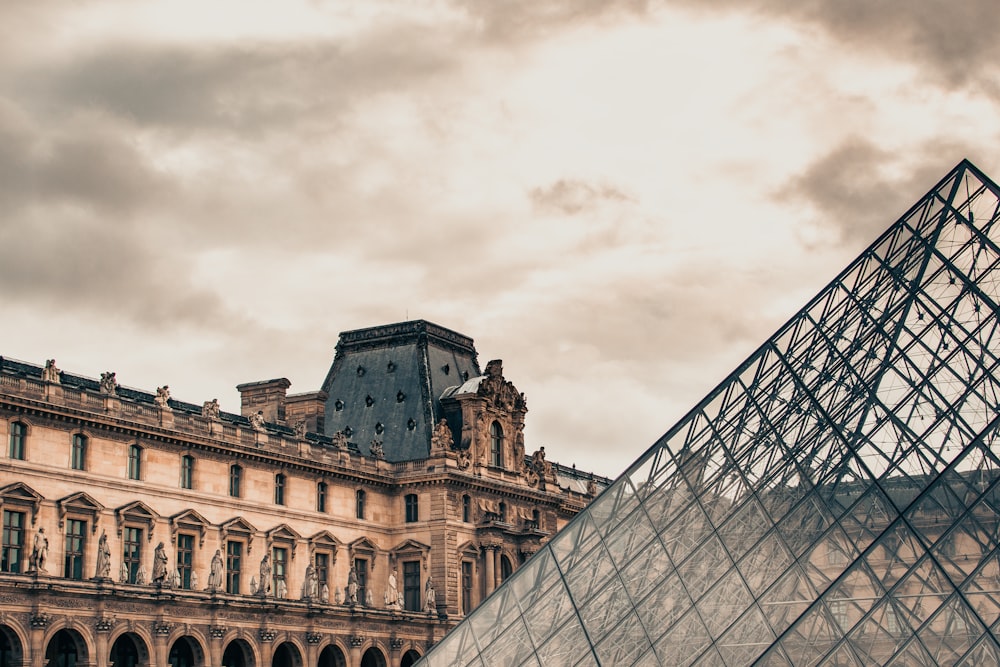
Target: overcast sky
621, 200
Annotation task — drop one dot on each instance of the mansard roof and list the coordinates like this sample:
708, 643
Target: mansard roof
385, 383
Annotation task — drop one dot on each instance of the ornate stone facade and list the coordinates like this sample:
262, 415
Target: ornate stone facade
143, 530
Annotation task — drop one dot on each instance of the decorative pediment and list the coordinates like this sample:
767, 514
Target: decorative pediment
20, 494
283, 533
80, 503
189, 520
326, 541
136, 512
501, 393
468, 550
239, 527
364, 548
409, 549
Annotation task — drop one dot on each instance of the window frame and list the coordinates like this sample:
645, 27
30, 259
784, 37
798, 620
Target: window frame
134, 467
360, 502
78, 451
466, 508
184, 558
322, 490
411, 508
74, 558
18, 449
280, 484
234, 565
467, 582
187, 472
235, 481
132, 560
496, 444
9, 547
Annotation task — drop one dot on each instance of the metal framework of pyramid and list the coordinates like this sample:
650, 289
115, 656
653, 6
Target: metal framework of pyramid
834, 501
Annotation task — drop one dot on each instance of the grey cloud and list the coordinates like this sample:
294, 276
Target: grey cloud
853, 193
570, 196
526, 19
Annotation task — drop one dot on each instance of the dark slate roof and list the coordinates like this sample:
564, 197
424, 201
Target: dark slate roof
386, 381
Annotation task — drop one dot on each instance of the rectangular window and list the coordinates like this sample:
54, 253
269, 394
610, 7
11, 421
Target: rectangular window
411, 585
17, 433
321, 497
359, 504
361, 569
235, 481
134, 462
76, 536
279, 562
466, 586
185, 558
78, 453
323, 569
234, 563
132, 552
279, 489
12, 548
187, 472
411, 508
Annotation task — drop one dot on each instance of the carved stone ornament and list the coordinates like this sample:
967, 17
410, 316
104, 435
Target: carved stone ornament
105, 623
499, 392
300, 429
162, 397
314, 637
339, 440
357, 641
210, 409
267, 635
109, 385
50, 373
441, 439
217, 631
40, 620
257, 420
376, 449
464, 459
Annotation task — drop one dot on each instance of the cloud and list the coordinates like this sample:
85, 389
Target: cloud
859, 188
570, 196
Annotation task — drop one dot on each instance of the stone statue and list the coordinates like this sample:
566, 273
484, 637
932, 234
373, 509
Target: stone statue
123, 573
50, 373
324, 594
339, 440
162, 397
430, 596
376, 449
369, 598
352, 587
300, 429
281, 589
194, 580
176, 582
310, 586
464, 459
215, 572
591, 487
160, 566
253, 585
540, 465
519, 445
265, 576
109, 385
210, 409
39, 552
441, 439
257, 420
392, 592
140, 576
103, 570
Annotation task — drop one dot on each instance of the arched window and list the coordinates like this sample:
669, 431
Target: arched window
503, 512
78, 452
18, 434
496, 445
506, 569
466, 508
279, 489
359, 504
411, 508
321, 496
235, 481
134, 462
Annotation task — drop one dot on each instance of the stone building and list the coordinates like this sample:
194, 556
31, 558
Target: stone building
353, 525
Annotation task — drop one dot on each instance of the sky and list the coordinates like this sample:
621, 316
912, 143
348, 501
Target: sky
620, 199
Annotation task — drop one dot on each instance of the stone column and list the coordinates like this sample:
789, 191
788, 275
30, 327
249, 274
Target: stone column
490, 569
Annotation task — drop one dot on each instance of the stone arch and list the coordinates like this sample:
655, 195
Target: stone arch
332, 655
128, 649
239, 653
505, 565
409, 658
186, 650
373, 656
11, 647
287, 654
65, 646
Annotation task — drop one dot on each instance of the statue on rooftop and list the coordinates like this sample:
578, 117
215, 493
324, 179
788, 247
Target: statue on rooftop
109, 384
210, 409
339, 440
376, 449
257, 420
441, 439
162, 397
50, 373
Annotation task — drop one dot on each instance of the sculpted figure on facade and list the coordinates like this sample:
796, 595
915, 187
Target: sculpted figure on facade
324, 594
300, 429
376, 449
352, 587
194, 580
339, 440
123, 573
162, 397
464, 459
281, 589
257, 420
430, 596
215, 572
310, 586
392, 592
176, 579
265, 576
441, 439
140, 576
103, 569
109, 384
210, 409
160, 565
39, 552
50, 373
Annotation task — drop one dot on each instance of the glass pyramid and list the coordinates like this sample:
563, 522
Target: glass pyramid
834, 501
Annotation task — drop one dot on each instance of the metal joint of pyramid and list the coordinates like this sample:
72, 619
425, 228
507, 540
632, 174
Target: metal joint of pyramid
833, 501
